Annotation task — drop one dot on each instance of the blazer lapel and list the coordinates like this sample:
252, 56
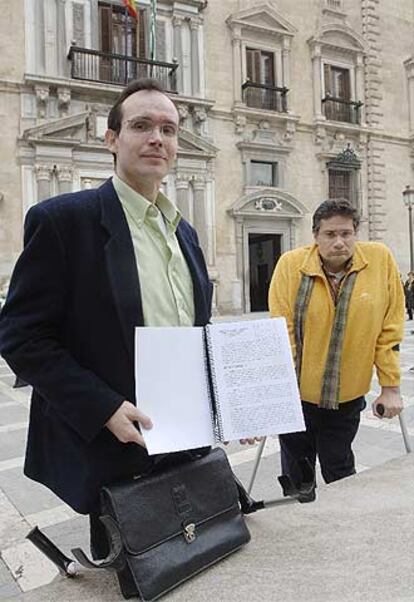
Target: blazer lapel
198, 271
121, 265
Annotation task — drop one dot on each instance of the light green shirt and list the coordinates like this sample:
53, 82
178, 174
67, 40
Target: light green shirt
165, 280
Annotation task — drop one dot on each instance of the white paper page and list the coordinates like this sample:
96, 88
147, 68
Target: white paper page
171, 388
257, 391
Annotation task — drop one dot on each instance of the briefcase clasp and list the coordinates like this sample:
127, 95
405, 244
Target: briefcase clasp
189, 532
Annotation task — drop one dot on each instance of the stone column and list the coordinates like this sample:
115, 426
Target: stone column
183, 197
65, 178
286, 70
279, 68
43, 176
200, 214
178, 50
317, 82
237, 63
195, 58
237, 285
61, 38
409, 67
359, 84
40, 36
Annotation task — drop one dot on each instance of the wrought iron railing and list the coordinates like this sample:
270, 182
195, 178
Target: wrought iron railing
338, 109
96, 66
262, 96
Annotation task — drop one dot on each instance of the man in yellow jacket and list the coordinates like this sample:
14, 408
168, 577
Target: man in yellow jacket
344, 306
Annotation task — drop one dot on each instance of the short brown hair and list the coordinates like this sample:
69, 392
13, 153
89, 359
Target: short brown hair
331, 208
115, 114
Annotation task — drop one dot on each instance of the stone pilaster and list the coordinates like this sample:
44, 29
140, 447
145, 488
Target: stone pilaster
178, 49
200, 214
371, 31
316, 76
64, 175
195, 57
183, 197
237, 61
43, 177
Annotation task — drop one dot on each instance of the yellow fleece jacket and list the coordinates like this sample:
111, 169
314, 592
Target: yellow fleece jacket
375, 321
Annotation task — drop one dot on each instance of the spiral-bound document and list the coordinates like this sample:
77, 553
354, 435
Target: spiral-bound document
222, 382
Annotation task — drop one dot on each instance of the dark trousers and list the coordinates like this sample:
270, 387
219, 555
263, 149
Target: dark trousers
329, 435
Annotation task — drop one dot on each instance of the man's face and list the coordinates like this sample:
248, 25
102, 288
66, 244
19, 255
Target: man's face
336, 241
146, 146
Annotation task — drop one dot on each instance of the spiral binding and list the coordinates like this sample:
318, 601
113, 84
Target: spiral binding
215, 413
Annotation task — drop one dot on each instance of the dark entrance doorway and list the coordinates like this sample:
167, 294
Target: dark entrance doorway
264, 251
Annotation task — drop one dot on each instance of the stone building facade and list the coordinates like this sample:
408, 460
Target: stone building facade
282, 104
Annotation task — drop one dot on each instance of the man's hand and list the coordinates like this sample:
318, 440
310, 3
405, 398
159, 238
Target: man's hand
391, 399
121, 424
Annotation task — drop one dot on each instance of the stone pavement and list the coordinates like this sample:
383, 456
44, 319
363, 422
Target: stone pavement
26, 575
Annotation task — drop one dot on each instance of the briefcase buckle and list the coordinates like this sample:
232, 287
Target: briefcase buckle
189, 532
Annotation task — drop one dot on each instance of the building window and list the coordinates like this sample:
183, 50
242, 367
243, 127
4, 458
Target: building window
263, 173
260, 67
340, 184
334, 4
260, 89
337, 102
120, 34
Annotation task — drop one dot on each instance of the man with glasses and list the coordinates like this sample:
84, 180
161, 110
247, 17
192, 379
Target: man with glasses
344, 306
96, 264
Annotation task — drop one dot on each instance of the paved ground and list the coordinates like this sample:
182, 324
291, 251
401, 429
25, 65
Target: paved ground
25, 574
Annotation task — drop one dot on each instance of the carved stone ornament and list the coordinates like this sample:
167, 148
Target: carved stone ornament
347, 158
320, 135
267, 204
240, 123
64, 173
200, 115
42, 96
63, 100
43, 172
182, 112
289, 131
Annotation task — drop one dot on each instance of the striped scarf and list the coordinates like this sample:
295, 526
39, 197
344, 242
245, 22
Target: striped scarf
331, 376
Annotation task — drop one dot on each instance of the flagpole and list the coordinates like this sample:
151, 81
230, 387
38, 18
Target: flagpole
153, 38
126, 44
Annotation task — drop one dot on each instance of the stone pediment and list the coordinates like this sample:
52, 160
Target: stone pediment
81, 128
73, 129
268, 201
193, 144
262, 18
340, 36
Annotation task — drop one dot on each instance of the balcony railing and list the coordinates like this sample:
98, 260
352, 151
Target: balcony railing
262, 96
338, 109
96, 66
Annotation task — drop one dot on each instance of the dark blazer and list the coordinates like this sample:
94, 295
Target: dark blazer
67, 328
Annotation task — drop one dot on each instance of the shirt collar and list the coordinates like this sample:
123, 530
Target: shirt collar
137, 205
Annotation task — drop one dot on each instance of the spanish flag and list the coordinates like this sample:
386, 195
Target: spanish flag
131, 5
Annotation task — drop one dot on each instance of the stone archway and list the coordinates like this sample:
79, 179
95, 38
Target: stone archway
265, 223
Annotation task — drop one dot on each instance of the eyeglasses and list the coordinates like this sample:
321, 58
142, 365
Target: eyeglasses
147, 126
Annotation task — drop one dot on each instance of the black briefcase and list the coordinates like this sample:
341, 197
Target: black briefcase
167, 527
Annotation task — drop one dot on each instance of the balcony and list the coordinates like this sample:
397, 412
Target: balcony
338, 109
96, 66
262, 96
